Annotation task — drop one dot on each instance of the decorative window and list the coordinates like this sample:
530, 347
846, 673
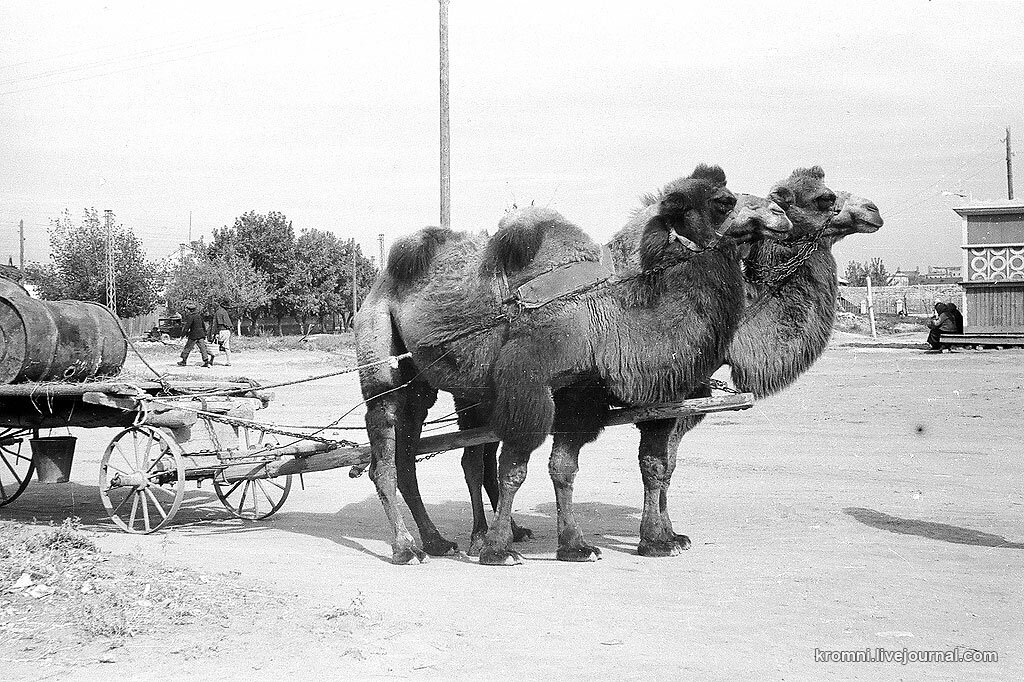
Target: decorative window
996, 263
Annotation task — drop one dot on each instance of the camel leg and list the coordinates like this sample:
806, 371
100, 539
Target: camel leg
682, 427
382, 415
524, 410
490, 462
657, 459
473, 469
580, 414
419, 398
497, 549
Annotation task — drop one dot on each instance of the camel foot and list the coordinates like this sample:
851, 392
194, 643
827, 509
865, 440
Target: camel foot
476, 544
408, 555
439, 546
578, 553
661, 548
494, 556
520, 534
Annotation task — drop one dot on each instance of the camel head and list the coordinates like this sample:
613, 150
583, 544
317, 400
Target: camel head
805, 198
688, 218
756, 218
856, 214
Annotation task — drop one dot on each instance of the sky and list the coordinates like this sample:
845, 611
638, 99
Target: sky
182, 116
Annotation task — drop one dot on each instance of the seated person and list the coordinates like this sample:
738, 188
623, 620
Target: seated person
941, 323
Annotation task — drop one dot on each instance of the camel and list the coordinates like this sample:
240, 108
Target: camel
753, 219
639, 340
786, 325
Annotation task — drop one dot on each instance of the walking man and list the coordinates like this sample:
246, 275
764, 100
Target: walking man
194, 329
222, 328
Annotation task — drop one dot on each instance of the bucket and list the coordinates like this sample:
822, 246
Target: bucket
53, 456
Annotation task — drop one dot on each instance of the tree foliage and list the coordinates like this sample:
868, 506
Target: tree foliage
209, 280
78, 266
308, 277
857, 273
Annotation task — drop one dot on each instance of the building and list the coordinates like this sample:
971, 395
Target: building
993, 268
904, 278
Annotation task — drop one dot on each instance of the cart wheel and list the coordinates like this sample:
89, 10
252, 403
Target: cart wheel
254, 497
15, 468
142, 479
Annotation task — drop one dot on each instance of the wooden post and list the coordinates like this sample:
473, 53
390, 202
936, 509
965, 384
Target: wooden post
354, 276
1009, 166
21, 257
871, 310
446, 189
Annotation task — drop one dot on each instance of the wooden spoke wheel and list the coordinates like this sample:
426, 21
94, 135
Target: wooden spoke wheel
253, 496
16, 465
142, 479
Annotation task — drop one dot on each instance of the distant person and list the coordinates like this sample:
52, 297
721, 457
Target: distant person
901, 307
193, 328
222, 330
941, 323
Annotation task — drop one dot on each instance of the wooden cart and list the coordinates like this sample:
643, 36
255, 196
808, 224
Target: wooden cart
172, 433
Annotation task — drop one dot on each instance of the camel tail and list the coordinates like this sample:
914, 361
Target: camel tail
411, 256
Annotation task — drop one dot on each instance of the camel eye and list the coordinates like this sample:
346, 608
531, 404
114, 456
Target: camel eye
826, 202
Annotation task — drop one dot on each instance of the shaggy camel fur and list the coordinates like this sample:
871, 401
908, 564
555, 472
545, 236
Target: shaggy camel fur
642, 340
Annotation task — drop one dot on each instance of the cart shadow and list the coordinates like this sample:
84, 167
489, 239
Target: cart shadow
361, 526
51, 504
929, 529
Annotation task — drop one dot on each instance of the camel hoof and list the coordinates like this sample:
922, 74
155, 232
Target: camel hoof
520, 534
660, 548
500, 557
579, 553
438, 546
683, 542
476, 545
408, 555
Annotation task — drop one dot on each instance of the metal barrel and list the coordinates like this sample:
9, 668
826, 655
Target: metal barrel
57, 340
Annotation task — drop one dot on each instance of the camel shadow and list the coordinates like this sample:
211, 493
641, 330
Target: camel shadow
361, 526
929, 529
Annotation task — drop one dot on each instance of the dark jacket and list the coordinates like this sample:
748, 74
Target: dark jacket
192, 326
958, 318
945, 324
221, 319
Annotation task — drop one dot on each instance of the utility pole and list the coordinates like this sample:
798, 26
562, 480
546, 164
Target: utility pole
354, 276
1009, 166
380, 238
446, 187
21, 247
111, 280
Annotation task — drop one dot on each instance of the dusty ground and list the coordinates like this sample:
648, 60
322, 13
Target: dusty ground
875, 504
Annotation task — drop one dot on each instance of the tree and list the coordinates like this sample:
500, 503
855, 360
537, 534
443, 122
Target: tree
78, 266
857, 273
267, 243
210, 280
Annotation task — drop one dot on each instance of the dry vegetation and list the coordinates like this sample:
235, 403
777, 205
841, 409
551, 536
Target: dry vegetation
63, 603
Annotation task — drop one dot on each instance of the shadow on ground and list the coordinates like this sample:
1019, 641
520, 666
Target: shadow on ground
929, 529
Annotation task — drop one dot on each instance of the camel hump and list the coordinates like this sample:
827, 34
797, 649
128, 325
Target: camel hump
523, 234
410, 257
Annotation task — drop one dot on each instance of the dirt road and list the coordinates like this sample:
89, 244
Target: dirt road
877, 503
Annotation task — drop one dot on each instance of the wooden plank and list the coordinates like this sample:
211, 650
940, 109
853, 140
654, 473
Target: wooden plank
314, 456
54, 390
983, 339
